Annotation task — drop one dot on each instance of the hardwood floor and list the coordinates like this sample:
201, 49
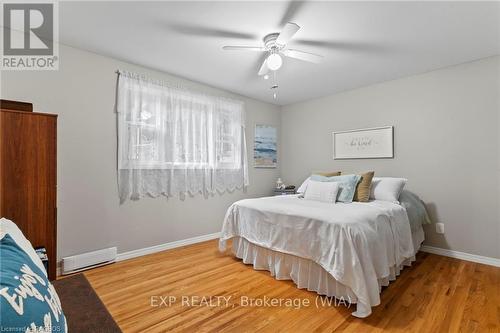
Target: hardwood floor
436, 294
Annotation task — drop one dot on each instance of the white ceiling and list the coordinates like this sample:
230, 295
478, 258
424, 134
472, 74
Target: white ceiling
363, 42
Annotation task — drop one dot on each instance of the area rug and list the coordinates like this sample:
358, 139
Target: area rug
83, 309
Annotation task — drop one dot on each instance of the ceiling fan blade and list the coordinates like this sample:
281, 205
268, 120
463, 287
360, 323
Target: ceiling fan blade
292, 9
244, 48
302, 55
204, 31
287, 33
264, 69
350, 46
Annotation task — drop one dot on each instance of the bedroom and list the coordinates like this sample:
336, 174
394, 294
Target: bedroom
419, 78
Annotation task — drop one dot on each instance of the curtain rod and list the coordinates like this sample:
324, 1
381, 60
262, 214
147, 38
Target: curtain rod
170, 85
151, 80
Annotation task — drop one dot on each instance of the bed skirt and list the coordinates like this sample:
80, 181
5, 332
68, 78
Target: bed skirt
307, 274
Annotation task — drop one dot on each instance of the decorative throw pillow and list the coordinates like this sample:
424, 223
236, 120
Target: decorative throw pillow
322, 191
347, 185
28, 301
328, 174
9, 227
387, 188
362, 193
302, 188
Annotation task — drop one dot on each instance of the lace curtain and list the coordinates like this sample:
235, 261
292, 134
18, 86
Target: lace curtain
174, 142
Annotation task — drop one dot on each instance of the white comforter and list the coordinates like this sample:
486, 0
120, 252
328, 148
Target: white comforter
357, 243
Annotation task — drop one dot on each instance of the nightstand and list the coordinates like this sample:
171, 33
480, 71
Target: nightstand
284, 192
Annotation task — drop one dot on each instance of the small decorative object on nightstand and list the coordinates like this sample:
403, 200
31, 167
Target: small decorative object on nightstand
280, 185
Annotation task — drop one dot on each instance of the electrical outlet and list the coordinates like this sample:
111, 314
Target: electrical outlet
440, 228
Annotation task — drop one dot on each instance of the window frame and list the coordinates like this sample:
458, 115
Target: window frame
236, 142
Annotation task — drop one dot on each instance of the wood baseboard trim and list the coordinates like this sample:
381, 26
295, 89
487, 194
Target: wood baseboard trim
166, 246
461, 255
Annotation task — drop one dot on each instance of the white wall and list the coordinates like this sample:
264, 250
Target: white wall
446, 143
90, 217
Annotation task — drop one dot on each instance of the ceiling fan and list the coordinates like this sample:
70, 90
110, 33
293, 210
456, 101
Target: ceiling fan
275, 44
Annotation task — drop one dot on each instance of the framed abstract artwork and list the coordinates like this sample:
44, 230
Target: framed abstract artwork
377, 142
265, 147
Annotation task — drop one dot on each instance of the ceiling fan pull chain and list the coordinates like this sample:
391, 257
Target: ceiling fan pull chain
274, 87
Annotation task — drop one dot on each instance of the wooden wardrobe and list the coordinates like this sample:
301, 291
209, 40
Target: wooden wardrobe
28, 143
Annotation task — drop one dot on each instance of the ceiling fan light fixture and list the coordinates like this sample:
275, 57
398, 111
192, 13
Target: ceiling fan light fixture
274, 62
266, 77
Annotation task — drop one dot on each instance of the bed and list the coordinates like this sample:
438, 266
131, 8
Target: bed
345, 250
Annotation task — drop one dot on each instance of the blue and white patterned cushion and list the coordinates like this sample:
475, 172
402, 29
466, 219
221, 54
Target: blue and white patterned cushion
347, 185
28, 301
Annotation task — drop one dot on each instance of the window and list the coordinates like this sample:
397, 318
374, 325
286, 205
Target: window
191, 134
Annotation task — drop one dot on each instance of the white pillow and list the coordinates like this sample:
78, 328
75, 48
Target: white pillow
387, 188
322, 191
303, 187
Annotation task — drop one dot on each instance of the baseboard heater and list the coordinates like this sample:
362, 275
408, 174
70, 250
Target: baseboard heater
88, 260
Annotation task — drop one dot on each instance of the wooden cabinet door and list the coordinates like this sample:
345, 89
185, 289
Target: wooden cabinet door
28, 177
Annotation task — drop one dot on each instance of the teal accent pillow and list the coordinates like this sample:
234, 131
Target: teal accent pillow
347, 185
28, 301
